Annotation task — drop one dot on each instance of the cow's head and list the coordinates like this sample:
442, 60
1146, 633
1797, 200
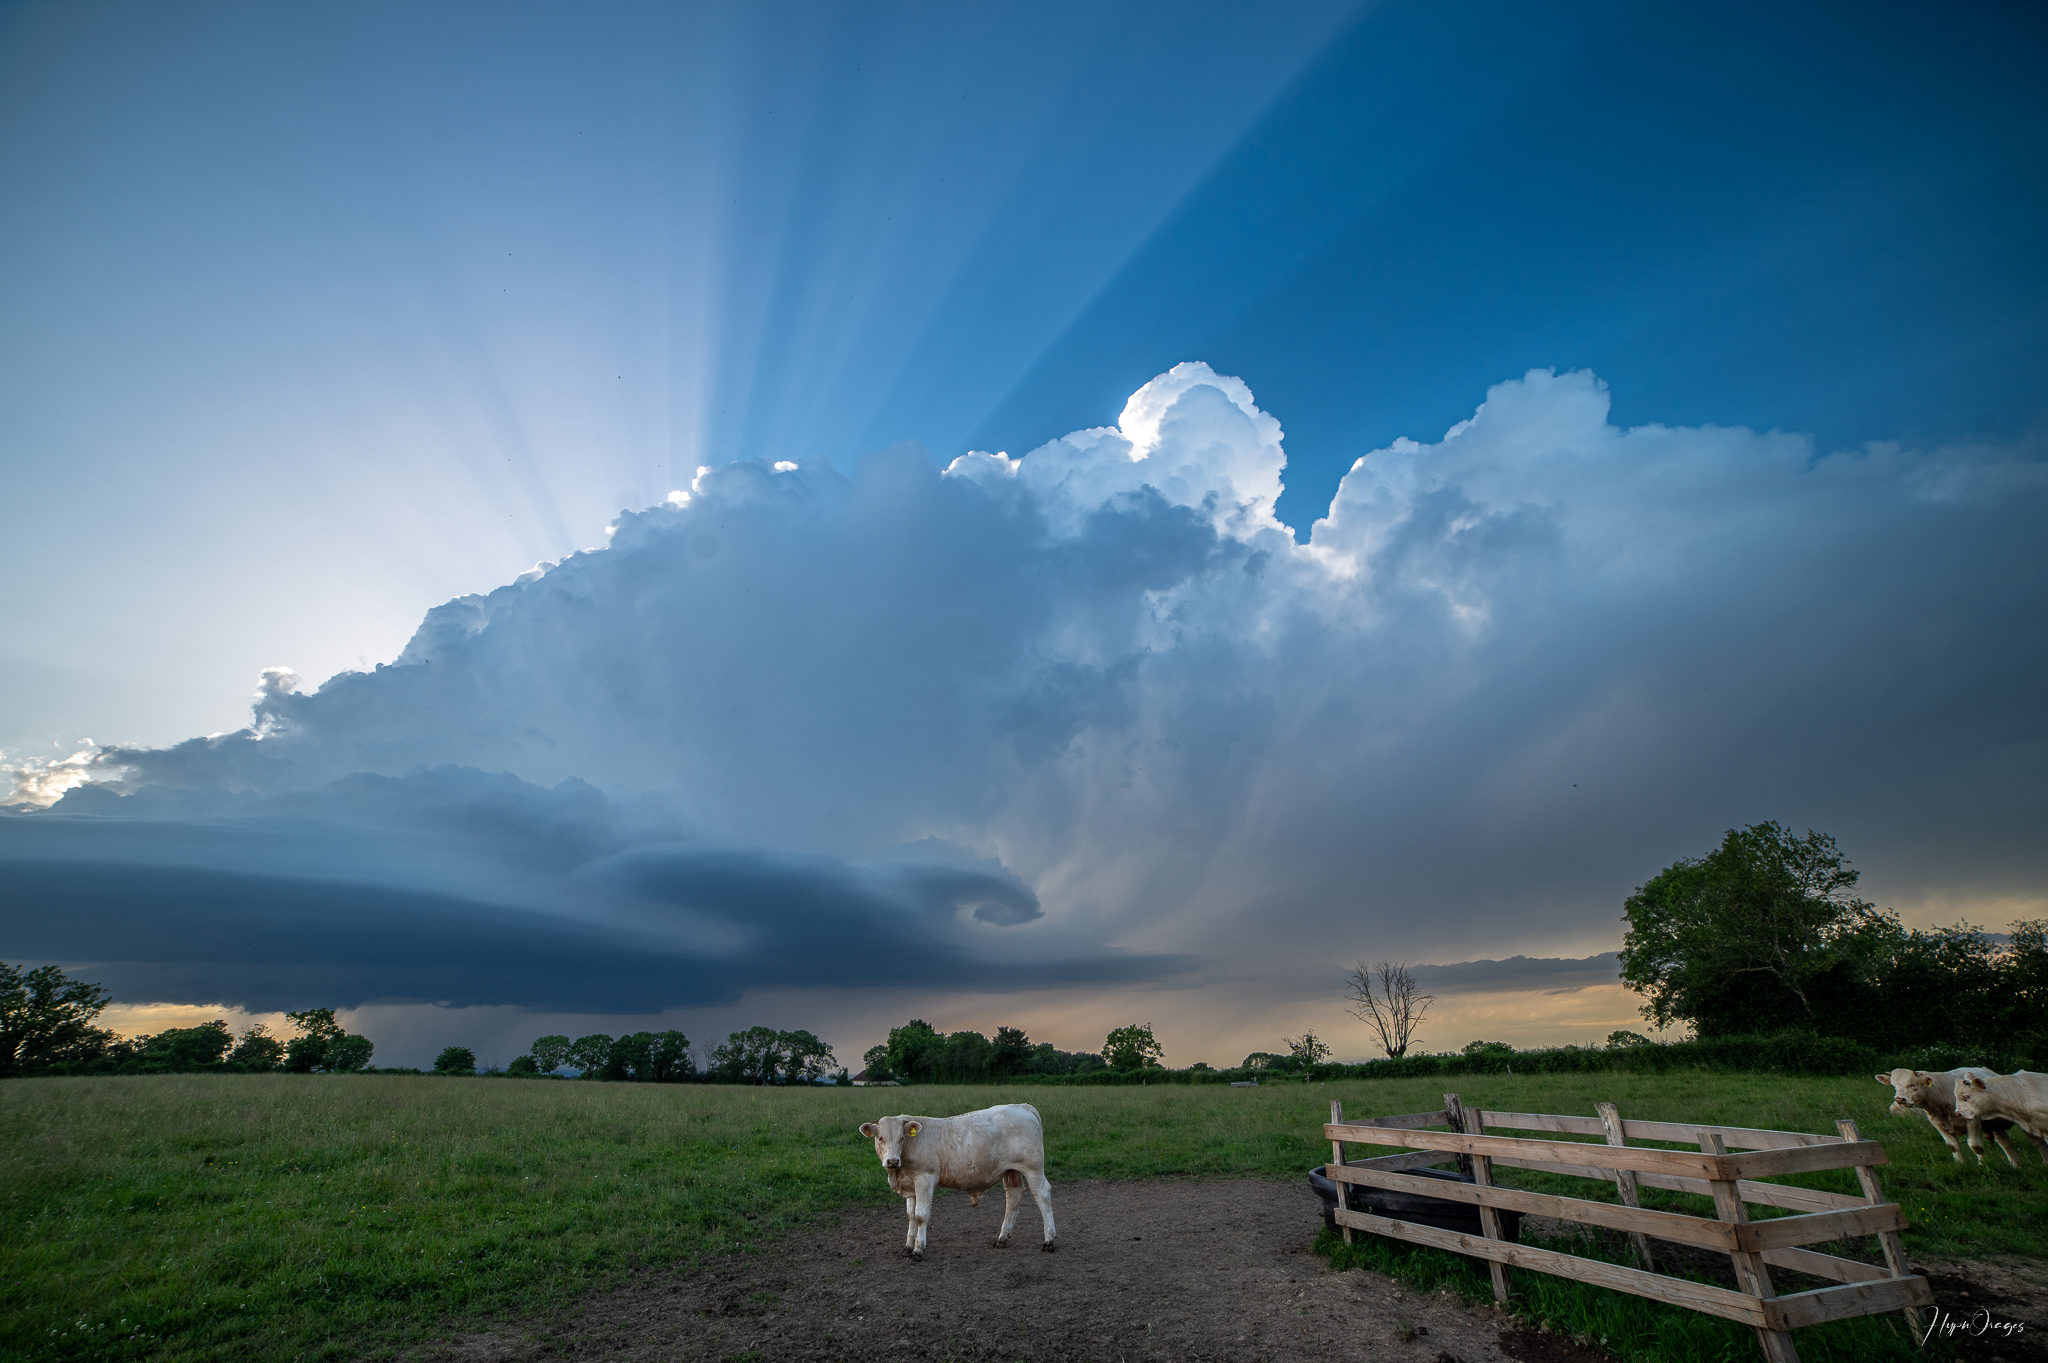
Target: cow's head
889, 1135
1969, 1092
1909, 1089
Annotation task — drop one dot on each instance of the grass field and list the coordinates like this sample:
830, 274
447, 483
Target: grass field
297, 1217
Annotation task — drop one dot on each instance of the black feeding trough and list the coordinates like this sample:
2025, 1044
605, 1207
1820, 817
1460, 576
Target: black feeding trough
1439, 1212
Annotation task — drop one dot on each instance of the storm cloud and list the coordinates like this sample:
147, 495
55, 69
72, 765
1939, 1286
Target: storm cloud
1094, 716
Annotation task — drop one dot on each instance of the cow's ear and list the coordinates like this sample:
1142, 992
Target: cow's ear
870, 1130
1884, 1078
1975, 1082
911, 1129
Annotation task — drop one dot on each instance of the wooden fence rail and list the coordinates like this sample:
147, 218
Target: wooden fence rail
1730, 1164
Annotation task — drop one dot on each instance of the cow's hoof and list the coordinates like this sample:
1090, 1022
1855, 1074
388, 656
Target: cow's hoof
1048, 1247
917, 1254
1003, 1242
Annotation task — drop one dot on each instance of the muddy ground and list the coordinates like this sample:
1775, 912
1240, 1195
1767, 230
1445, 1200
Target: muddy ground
1144, 1270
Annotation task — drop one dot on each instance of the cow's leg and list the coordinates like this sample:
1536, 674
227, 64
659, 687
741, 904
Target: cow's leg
1974, 1133
909, 1224
1013, 1198
1954, 1147
921, 1214
2005, 1143
1041, 1193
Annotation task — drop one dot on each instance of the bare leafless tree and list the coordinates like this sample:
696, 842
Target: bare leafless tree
1386, 996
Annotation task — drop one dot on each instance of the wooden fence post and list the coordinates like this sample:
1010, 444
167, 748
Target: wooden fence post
1339, 1155
1625, 1180
1750, 1274
1454, 1117
1479, 1168
1888, 1240
1489, 1222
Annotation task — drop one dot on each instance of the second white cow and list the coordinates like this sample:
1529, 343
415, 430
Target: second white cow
2021, 1098
972, 1152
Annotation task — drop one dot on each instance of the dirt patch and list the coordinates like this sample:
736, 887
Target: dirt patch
1158, 1269
1145, 1270
1995, 1310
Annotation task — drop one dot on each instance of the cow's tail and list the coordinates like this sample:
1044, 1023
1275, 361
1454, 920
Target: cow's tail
1012, 1179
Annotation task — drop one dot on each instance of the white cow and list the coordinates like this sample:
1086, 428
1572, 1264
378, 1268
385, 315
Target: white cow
971, 1152
1933, 1096
2021, 1098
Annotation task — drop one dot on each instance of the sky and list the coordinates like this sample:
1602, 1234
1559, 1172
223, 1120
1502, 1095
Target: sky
816, 515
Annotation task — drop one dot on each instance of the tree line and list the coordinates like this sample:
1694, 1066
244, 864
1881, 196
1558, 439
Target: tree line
48, 1026
918, 1053
759, 1055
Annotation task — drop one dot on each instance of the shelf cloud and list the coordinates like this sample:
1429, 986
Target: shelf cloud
1092, 715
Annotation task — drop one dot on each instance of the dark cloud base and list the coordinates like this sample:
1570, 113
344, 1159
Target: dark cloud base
177, 935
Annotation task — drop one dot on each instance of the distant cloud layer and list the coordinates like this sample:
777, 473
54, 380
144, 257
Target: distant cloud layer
1093, 716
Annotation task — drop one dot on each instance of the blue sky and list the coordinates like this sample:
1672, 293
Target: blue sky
319, 319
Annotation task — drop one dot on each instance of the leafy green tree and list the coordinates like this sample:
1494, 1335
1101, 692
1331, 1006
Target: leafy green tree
307, 1052
1622, 1040
650, 1058
455, 1060
964, 1058
1306, 1049
590, 1054
909, 1045
180, 1050
349, 1054
669, 1058
805, 1058
750, 1057
1012, 1051
550, 1053
523, 1067
46, 1020
2022, 1012
1263, 1060
875, 1064
762, 1055
1047, 1059
323, 1047
631, 1058
1132, 1047
257, 1050
1749, 937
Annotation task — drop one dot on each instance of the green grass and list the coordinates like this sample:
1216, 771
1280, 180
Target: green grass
291, 1217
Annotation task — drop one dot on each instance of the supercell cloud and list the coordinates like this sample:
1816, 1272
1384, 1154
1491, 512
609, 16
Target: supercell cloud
1093, 716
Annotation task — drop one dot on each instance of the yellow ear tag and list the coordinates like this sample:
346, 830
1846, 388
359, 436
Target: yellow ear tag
910, 1130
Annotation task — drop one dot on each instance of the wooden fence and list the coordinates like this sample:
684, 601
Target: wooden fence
1731, 1164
